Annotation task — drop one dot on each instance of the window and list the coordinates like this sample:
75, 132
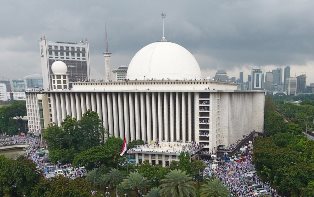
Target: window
61, 48
58, 76
56, 47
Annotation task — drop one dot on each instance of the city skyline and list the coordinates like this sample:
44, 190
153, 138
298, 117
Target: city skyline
220, 34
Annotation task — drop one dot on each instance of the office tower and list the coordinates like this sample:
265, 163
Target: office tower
257, 79
269, 81
74, 55
221, 75
33, 81
286, 76
291, 86
3, 92
301, 83
277, 79
119, 74
241, 77
7, 84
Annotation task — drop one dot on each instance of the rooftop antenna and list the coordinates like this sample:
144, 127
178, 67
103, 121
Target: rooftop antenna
163, 16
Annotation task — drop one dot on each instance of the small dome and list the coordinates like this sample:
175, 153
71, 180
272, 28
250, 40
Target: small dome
59, 68
163, 60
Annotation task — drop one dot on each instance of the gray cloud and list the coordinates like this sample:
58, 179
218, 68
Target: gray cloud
226, 34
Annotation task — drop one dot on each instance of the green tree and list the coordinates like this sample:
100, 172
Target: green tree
177, 184
154, 192
113, 178
134, 143
154, 174
134, 182
214, 188
8, 123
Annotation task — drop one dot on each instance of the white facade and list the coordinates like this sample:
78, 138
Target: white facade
34, 111
120, 73
75, 55
3, 92
291, 86
205, 112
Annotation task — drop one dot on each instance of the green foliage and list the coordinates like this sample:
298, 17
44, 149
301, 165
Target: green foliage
177, 184
214, 188
134, 182
154, 192
9, 125
73, 137
63, 187
17, 177
154, 174
107, 154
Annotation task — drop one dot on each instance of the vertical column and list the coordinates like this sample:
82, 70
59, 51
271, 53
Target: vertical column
166, 117
177, 117
137, 117
104, 111
67, 104
171, 117
98, 105
77, 105
126, 116
93, 101
58, 107
110, 118
115, 115
121, 121
83, 103
183, 130
88, 107
189, 117
160, 127
132, 126
53, 108
62, 104
149, 114
143, 117
154, 114
73, 110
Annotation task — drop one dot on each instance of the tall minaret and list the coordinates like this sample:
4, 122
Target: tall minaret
163, 38
107, 56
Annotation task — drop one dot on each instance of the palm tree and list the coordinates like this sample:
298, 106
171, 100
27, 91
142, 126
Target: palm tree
134, 182
214, 188
113, 178
177, 184
154, 192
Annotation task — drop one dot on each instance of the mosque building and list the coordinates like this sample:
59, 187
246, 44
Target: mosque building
162, 99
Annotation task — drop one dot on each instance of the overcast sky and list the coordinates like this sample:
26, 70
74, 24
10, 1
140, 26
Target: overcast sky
233, 35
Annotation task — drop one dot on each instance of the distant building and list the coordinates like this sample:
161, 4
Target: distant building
241, 77
291, 86
221, 75
277, 79
286, 76
74, 55
301, 83
18, 85
120, 73
312, 87
3, 92
7, 84
257, 79
269, 81
33, 81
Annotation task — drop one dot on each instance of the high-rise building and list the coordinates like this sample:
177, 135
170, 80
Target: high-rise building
74, 55
7, 84
277, 79
18, 85
120, 73
301, 83
3, 92
221, 75
257, 79
291, 86
241, 77
286, 76
269, 81
33, 81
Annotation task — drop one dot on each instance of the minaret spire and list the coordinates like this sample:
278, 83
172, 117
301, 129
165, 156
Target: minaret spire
107, 56
107, 44
163, 16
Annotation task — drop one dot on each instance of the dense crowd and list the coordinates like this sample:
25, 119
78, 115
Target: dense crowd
40, 157
13, 140
239, 175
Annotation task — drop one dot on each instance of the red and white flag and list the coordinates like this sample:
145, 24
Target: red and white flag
124, 147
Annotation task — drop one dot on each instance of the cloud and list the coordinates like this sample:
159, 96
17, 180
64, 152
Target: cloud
227, 34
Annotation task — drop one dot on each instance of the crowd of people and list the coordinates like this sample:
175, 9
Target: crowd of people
13, 140
40, 157
239, 175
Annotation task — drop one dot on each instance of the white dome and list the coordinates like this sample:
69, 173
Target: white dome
163, 60
59, 68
